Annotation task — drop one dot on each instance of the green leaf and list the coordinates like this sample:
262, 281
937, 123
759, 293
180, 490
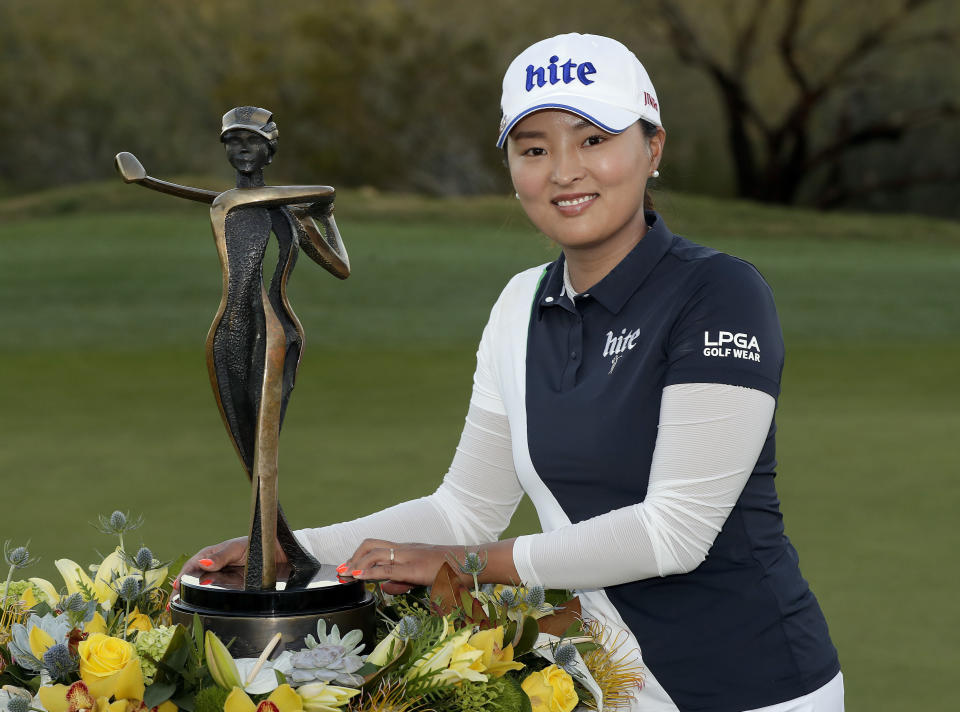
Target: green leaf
509, 631
178, 651
42, 608
197, 632
185, 701
528, 636
158, 692
363, 671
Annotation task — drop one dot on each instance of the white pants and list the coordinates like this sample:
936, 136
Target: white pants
828, 698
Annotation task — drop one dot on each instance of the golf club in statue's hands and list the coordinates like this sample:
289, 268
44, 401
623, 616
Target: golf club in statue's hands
255, 341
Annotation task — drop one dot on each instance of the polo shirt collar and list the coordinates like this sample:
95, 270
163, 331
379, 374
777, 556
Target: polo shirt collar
615, 290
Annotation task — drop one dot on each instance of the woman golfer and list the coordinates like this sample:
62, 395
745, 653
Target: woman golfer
629, 389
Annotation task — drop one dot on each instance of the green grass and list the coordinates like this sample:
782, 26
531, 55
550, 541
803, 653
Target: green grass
108, 290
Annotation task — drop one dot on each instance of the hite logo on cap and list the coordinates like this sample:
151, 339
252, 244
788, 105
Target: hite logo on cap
541, 76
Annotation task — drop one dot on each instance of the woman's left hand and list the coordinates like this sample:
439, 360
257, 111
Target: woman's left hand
399, 566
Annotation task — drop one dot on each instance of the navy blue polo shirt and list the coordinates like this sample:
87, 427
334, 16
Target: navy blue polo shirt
742, 630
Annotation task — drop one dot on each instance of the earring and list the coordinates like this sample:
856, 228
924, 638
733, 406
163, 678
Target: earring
517, 196
655, 174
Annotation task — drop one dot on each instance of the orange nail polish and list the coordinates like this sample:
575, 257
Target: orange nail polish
206, 562
342, 568
206, 582
356, 572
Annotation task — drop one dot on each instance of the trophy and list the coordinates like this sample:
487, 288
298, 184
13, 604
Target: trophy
253, 352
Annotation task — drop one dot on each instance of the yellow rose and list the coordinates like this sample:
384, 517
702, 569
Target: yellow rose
110, 668
550, 690
138, 621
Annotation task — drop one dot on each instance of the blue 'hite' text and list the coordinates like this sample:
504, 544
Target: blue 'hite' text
540, 76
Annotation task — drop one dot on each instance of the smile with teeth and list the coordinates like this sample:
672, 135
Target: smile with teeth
576, 201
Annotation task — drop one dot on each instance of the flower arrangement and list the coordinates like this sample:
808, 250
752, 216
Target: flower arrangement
104, 641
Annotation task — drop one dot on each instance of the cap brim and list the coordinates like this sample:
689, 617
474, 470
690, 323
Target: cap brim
244, 127
612, 119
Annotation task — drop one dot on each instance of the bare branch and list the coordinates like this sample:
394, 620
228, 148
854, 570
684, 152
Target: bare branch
787, 45
744, 46
690, 49
834, 197
891, 128
867, 43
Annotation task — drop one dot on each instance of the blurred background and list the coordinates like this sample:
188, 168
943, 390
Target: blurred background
817, 140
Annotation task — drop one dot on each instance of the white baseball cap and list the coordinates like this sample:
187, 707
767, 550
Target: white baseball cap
592, 76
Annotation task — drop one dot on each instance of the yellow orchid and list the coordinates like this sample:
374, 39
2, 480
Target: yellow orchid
497, 660
48, 589
30, 592
40, 642
112, 567
74, 576
453, 660
323, 697
28, 599
283, 699
78, 698
95, 625
138, 621
391, 645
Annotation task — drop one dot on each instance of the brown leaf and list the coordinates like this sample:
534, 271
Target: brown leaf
558, 623
446, 590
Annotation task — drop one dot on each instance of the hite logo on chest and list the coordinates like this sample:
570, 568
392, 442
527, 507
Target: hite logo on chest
743, 345
617, 346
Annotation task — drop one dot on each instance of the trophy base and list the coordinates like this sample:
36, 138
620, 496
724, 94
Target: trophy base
252, 618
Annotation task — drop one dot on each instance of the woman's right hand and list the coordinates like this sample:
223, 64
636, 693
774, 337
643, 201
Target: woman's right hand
232, 552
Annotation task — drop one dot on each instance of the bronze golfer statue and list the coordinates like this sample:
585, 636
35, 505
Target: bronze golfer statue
255, 341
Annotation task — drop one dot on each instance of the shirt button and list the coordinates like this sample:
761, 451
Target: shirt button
573, 355
548, 300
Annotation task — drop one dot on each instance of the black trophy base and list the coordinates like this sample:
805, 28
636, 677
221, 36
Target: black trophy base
252, 618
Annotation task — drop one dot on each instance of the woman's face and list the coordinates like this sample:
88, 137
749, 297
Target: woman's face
247, 151
581, 186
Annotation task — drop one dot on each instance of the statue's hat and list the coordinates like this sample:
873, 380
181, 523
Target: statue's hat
250, 118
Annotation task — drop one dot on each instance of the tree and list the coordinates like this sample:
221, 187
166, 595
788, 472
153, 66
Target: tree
801, 94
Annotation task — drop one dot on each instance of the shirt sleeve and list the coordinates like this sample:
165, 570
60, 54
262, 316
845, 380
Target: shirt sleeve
728, 332
708, 441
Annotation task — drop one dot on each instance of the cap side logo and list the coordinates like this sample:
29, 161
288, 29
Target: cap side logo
554, 73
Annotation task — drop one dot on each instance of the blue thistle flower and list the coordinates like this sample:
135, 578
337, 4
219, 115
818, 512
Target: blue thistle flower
58, 662
18, 703
409, 628
509, 598
565, 656
74, 603
118, 522
473, 564
18, 557
143, 559
535, 597
129, 589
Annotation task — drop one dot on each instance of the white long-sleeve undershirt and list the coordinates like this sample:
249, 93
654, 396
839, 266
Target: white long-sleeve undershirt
709, 438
